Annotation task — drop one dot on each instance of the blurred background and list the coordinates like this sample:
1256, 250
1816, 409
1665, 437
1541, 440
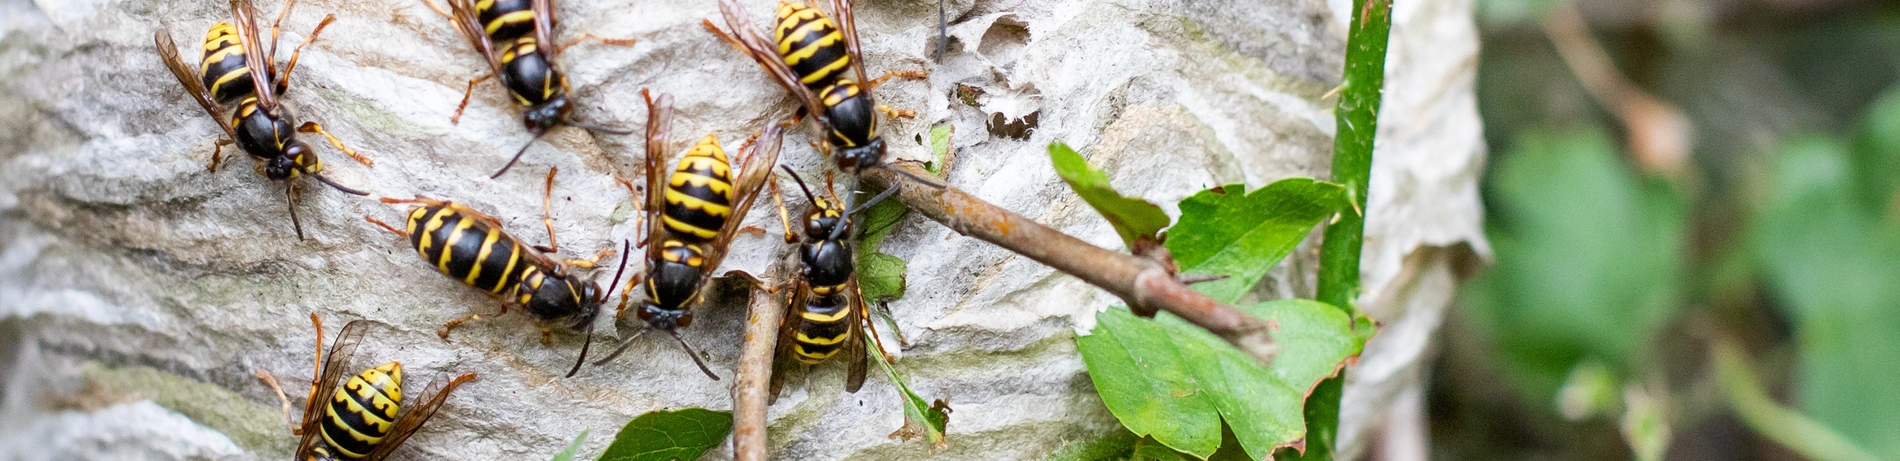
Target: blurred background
1697, 232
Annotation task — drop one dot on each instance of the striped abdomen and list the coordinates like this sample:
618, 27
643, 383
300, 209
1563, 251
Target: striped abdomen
851, 114
505, 20
699, 194
362, 411
461, 245
811, 44
824, 324
222, 65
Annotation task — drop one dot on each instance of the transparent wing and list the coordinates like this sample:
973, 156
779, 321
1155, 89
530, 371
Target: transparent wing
782, 360
168, 51
462, 13
659, 124
244, 15
749, 40
406, 425
544, 24
854, 356
341, 351
848, 23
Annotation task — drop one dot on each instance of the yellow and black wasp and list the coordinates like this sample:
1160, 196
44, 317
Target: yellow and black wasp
362, 418
809, 56
231, 68
470, 246
692, 216
826, 311
517, 39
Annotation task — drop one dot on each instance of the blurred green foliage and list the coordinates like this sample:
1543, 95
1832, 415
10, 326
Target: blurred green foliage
1595, 331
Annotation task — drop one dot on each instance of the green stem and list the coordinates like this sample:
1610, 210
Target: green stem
1356, 121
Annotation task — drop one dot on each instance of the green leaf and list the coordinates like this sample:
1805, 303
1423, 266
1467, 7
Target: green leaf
1177, 383
1589, 259
1133, 218
1791, 429
567, 454
1877, 153
1834, 266
929, 420
1225, 232
881, 277
940, 137
1117, 446
663, 435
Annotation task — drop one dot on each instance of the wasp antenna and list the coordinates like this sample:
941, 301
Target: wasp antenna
838, 231
517, 157
290, 199
801, 183
599, 129
618, 350
339, 187
694, 354
588, 343
626, 246
932, 182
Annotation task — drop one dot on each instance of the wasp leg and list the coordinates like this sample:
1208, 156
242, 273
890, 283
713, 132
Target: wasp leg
386, 226
446, 327
295, 429
589, 263
313, 127
547, 213
425, 201
438, 8
275, 27
547, 334
457, 118
217, 154
283, 78
909, 74
585, 37
783, 218
896, 113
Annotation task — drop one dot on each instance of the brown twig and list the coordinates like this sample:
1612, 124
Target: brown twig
749, 400
1659, 133
1142, 282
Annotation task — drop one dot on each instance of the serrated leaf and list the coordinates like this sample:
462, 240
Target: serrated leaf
881, 277
1176, 382
567, 454
1225, 231
921, 419
664, 435
1133, 218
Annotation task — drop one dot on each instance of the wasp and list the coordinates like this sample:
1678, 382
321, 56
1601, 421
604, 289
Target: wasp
817, 60
471, 246
826, 311
517, 39
361, 419
692, 216
235, 71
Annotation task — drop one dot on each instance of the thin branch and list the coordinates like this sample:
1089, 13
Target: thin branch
1142, 282
749, 401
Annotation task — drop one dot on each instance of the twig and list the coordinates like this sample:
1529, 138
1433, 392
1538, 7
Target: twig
1143, 283
1659, 133
755, 372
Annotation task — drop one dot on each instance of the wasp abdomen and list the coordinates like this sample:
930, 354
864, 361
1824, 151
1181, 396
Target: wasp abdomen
359, 416
505, 20
466, 248
223, 67
699, 193
823, 327
811, 44
850, 113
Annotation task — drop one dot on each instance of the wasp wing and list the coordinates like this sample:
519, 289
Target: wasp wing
341, 351
854, 355
168, 51
749, 40
244, 15
659, 126
406, 425
848, 24
782, 360
462, 13
544, 24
